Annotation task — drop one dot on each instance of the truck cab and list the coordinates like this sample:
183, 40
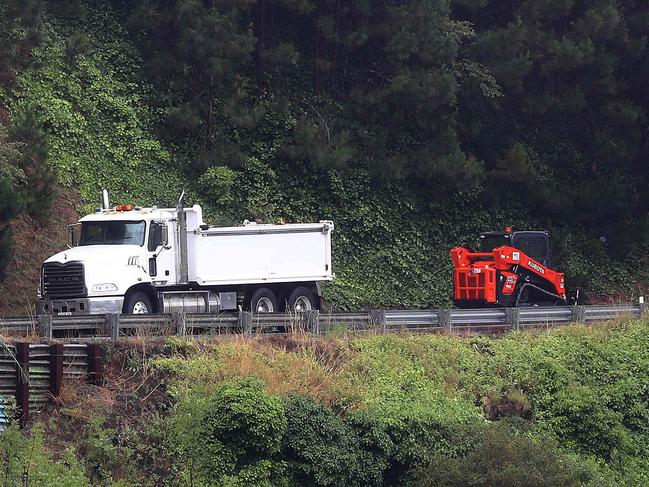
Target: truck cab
112, 251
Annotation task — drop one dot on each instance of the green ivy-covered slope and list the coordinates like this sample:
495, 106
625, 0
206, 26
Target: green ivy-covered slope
133, 97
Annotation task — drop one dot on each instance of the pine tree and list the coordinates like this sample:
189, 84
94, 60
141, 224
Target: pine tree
571, 74
23, 177
11, 199
404, 89
200, 53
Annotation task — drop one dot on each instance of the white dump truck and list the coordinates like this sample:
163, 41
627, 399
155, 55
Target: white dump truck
133, 260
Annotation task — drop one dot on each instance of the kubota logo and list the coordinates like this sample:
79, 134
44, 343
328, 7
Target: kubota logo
536, 267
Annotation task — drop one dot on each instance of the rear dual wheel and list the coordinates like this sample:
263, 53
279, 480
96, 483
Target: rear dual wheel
264, 300
301, 300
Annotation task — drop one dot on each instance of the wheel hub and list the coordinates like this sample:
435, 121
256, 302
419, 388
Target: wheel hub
140, 308
302, 304
264, 305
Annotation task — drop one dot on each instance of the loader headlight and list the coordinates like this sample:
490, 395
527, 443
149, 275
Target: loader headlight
105, 287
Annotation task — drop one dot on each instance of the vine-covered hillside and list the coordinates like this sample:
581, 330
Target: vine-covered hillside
413, 125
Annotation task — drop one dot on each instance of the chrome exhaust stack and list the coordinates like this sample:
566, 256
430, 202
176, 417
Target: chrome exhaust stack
181, 237
105, 204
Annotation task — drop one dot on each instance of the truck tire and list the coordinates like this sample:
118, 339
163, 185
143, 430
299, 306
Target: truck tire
301, 299
264, 300
138, 304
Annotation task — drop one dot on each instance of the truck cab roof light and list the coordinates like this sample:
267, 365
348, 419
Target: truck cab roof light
123, 207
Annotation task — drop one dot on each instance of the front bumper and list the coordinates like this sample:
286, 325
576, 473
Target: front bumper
81, 306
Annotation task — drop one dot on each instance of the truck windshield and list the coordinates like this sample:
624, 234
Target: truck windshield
112, 233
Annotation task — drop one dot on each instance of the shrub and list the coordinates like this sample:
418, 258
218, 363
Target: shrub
231, 437
507, 457
24, 461
321, 449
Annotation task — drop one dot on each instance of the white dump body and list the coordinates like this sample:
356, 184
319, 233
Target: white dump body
256, 253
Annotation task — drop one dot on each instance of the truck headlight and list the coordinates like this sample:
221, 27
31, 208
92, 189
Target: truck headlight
104, 287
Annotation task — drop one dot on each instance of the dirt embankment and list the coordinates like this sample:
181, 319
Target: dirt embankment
34, 242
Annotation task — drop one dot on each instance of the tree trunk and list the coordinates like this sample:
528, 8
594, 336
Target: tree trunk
259, 29
316, 61
335, 60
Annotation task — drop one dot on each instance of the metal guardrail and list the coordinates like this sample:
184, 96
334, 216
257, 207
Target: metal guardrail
114, 326
20, 325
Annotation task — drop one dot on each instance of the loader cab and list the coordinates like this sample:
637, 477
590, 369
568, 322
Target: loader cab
535, 244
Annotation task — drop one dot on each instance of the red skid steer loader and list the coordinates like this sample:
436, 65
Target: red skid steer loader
511, 269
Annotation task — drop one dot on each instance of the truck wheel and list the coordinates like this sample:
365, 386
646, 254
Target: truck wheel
300, 300
263, 300
138, 304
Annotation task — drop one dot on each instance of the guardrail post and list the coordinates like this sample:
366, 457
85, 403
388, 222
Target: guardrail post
95, 364
245, 322
512, 317
377, 316
578, 314
181, 324
45, 326
642, 305
56, 368
112, 321
445, 319
22, 380
312, 319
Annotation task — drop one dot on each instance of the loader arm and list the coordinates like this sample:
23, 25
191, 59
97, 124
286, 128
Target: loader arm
505, 258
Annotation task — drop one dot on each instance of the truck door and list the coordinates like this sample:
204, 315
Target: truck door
162, 258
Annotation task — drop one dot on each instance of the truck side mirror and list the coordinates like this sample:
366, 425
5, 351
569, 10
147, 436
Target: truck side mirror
73, 235
157, 236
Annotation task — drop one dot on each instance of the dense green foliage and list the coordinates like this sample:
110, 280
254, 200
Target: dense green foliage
25, 461
563, 407
321, 448
11, 204
98, 131
25, 180
566, 407
414, 125
507, 457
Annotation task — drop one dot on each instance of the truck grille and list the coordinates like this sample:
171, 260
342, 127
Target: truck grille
63, 280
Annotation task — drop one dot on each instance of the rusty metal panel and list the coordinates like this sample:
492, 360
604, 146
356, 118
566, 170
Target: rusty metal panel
39, 376
75, 361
